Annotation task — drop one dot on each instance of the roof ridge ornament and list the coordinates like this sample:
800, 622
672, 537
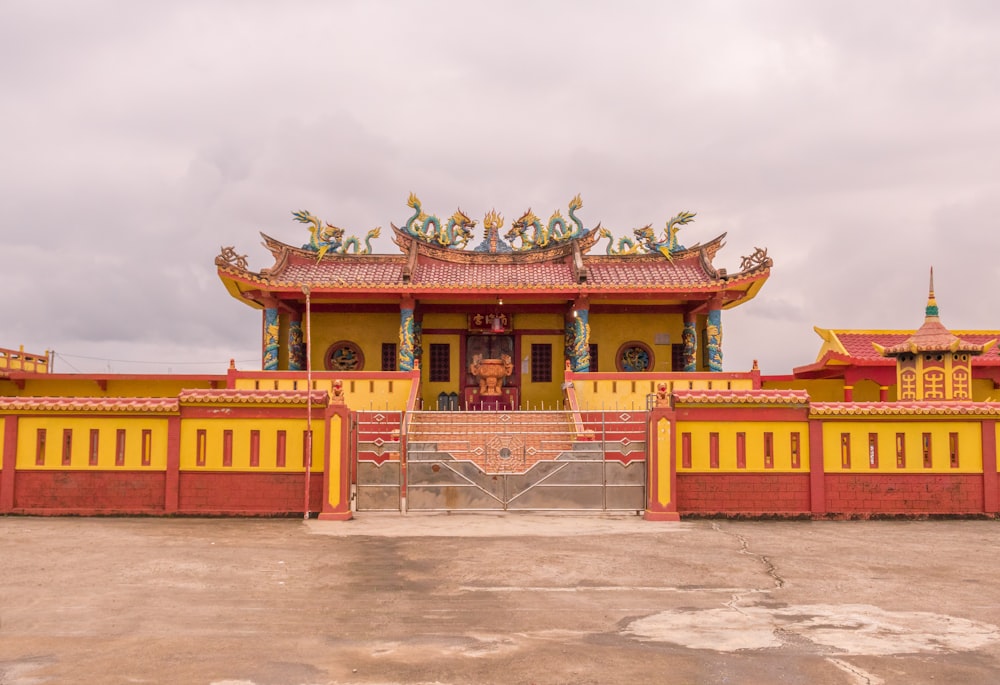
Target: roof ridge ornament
556, 230
647, 242
325, 237
456, 232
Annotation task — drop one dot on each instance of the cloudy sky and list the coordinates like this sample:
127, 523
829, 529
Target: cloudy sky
858, 141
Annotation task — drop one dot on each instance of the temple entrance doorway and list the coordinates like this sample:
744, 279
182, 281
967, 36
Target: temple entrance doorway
491, 377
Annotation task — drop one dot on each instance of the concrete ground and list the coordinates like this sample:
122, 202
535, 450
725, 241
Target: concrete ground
518, 599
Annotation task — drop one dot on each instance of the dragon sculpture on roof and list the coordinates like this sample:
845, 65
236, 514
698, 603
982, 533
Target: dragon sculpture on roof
646, 240
324, 237
456, 232
534, 234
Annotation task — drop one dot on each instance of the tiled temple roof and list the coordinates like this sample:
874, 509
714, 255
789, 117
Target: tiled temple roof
798, 397
904, 408
229, 396
90, 404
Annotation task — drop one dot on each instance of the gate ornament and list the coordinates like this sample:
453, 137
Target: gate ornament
491, 373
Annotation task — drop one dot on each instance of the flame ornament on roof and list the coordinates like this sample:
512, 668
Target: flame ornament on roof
325, 237
425, 227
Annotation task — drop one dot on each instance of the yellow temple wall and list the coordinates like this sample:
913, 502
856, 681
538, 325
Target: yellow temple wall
108, 385
819, 390
753, 431
56, 425
595, 391
213, 457
367, 331
969, 432
542, 395
429, 391
362, 390
610, 331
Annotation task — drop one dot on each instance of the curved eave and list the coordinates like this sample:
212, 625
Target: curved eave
237, 285
752, 282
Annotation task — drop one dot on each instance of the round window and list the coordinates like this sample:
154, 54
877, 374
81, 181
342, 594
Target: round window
634, 356
344, 356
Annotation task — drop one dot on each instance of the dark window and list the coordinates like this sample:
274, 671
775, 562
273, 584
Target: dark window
541, 363
120, 447
440, 363
677, 357
593, 358
388, 356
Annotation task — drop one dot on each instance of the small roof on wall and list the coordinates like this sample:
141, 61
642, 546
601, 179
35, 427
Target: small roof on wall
425, 269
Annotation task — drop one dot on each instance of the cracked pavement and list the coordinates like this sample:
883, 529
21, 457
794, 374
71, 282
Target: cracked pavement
488, 598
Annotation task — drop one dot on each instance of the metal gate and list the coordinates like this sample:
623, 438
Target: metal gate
537, 461
376, 467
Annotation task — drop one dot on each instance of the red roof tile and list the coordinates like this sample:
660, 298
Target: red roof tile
903, 408
90, 404
228, 396
741, 397
859, 343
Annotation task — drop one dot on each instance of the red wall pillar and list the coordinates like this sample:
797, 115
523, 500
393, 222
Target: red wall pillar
817, 476
991, 492
661, 465
337, 463
9, 464
171, 486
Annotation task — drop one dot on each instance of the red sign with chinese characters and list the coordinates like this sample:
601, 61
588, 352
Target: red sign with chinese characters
492, 322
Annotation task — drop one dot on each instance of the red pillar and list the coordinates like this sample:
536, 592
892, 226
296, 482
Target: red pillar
339, 463
991, 491
173, 477
9, 464
661, 465
848, 393
817, 476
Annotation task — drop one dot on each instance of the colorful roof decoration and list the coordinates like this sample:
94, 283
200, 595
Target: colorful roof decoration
550, 258
932, 336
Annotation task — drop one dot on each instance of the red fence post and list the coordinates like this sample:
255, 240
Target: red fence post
991, 491
817, 476
9, 464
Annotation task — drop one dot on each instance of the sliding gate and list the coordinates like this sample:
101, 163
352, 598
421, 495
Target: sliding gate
531, 461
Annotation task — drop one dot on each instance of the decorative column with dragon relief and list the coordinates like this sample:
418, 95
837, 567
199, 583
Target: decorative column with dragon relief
270, 358
689, 336
406, 335
296, 344
714, 330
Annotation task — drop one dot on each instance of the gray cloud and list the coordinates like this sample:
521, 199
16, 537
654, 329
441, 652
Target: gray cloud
855, 140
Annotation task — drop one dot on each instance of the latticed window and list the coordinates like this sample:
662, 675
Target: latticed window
677, 357
593, 358
541, 363
440, 363
388, 356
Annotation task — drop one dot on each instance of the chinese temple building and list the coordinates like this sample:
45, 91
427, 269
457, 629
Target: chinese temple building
530, 369
535, 298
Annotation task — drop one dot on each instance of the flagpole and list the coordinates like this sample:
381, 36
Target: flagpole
309, 432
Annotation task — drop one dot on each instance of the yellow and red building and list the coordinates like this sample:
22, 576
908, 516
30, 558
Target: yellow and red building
607, 393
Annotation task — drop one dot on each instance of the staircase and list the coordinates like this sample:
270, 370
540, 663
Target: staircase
497, 442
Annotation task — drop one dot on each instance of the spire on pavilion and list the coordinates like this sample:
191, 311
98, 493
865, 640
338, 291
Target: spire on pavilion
934, 363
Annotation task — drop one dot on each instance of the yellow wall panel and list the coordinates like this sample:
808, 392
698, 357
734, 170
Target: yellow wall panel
368, 331
781, 432
215, 436
970, 454
611, 331
80, 427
